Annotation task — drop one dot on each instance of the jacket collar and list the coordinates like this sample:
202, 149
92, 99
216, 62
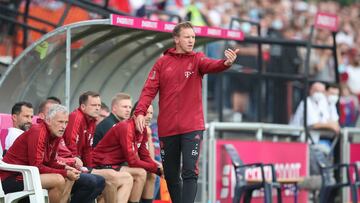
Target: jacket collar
89, 120
172, 51
43, 124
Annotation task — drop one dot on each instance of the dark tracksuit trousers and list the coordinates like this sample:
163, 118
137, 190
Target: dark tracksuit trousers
182, 190
87, 188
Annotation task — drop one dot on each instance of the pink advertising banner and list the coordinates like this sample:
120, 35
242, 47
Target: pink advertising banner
161, 26
327, 21
354, 158
290, 160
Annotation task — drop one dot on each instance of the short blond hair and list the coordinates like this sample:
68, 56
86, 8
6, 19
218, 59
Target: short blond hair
118, 97
179, 26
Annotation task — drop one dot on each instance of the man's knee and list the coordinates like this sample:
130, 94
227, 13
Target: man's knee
151, 177
127, 179
140, 174
58, 180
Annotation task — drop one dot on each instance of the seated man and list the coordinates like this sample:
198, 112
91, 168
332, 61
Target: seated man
88, 186
78, 138
319, 117
318, 113
120, 110
332, 95
154, 150
124, 148
38, 147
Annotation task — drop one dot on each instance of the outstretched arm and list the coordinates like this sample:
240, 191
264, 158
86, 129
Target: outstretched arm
208, 65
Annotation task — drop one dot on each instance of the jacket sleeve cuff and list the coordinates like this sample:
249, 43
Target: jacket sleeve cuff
137, 113
158, 172
223, 62
64, 173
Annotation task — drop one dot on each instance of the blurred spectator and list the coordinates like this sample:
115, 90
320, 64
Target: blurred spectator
196, 13
332, 95
318, 116
349, 107
353, 72
321, 61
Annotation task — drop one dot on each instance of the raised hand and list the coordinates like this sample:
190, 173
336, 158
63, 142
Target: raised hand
230, 56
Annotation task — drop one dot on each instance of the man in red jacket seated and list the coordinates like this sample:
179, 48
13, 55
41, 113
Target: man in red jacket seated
38, 147
177, 76
124, 148
78, 137
89, 186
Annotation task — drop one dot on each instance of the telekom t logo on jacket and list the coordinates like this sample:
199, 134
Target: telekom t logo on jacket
188, 73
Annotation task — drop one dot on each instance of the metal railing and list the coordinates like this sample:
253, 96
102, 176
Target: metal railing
257, 128
346, 133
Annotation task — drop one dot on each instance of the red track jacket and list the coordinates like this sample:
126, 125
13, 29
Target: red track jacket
35, 147
122, 143
178, 78
79, 135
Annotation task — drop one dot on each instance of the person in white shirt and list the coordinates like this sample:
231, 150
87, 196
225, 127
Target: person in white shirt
21, 115
318, 113
332, 94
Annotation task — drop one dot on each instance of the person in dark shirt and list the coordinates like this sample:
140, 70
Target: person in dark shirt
120, 110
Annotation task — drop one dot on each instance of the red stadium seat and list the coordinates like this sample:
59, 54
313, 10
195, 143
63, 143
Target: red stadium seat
3, 134
5, 121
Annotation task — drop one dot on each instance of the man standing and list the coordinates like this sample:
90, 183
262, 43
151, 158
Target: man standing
177, 75
38, 147
21, 115
120, 110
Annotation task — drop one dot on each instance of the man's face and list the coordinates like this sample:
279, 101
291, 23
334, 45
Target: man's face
92, 106
58, 123
317, 88
23, 120
185, 41
149, 115
122, 109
